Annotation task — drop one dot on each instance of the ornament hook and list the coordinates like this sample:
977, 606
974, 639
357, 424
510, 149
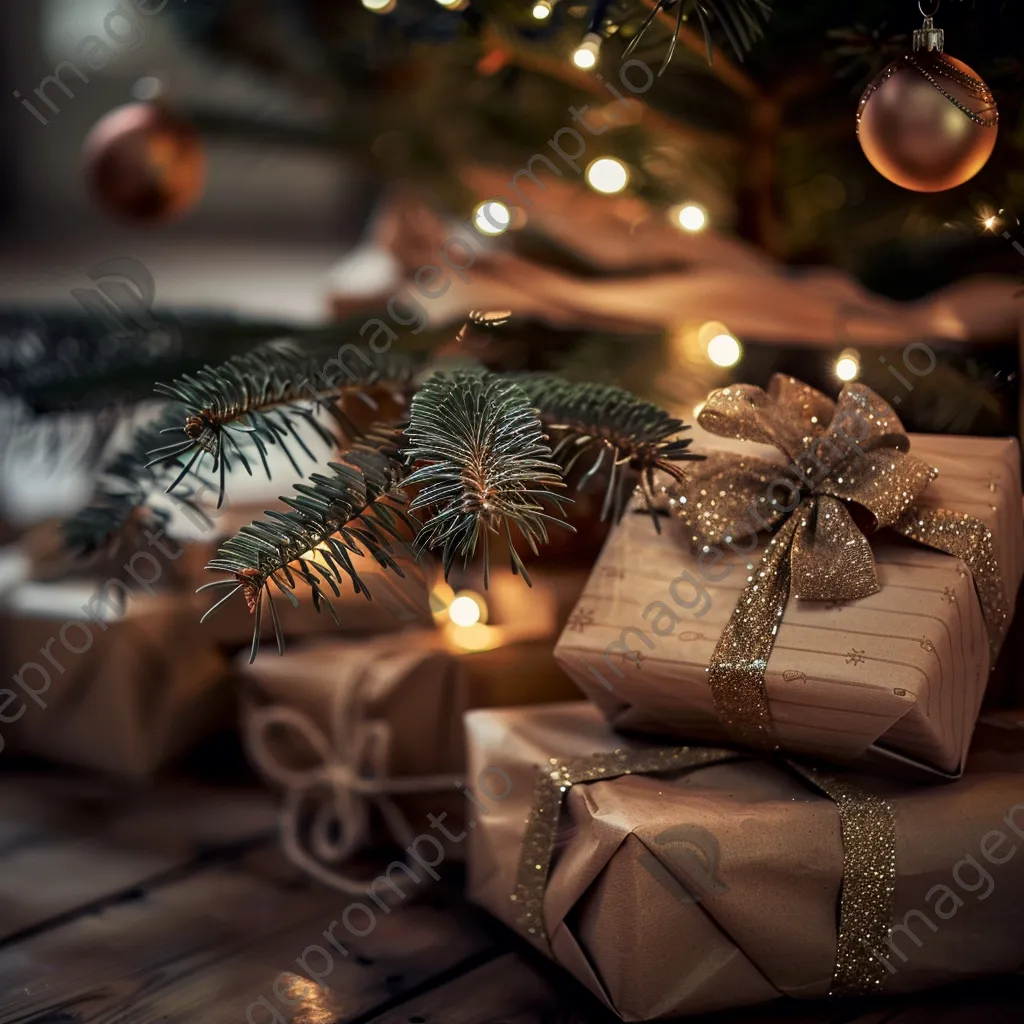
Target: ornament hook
928, 37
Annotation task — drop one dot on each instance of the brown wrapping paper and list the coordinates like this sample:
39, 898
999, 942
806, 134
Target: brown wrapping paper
718, 887
371, 718
139, 691
897, 676
408, 681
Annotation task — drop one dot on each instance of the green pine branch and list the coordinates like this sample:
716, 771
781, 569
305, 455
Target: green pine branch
356, 509
630, 439
244, 405
480, 453
265, 398
480, 457
121, 498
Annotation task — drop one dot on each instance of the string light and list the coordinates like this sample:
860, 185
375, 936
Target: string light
379, 6
848, 365
454, 5
607, 175
690, 217
586, 54
724, 350
542, 10
492, 218
467, 609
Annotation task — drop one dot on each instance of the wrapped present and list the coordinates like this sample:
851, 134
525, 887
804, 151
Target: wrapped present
104, 679
682, 880
357, 733
763, 615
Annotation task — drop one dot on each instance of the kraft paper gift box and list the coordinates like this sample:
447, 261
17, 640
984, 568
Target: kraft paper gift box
121, 691
893, 679
708, 879
366, 733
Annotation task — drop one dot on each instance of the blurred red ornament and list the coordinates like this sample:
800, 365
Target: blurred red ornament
145, 163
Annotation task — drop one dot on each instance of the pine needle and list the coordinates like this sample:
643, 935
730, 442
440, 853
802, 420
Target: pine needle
479, 451
121, 497
331, 517
629, 438
741, 21
271, 397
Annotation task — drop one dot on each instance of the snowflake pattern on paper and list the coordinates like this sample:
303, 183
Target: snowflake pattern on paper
580, 619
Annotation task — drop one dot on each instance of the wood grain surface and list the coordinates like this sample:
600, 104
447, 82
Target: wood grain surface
174, 906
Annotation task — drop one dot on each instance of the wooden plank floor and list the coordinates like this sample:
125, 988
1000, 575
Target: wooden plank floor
174, 907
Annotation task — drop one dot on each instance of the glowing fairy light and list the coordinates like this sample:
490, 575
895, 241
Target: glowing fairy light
848, 365
586, 54
492, 218
607, 175
691, 217
542, 10
467, 609
724, 350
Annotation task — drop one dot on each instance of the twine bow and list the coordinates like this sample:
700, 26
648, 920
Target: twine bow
350, 778
854, 453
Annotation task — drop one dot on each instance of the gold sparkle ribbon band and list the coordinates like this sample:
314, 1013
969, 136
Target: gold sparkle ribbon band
867, 827
850, 452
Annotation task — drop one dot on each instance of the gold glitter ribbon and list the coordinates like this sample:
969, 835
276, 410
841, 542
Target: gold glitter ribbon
553, 783
866, 905
850, 452
867, 829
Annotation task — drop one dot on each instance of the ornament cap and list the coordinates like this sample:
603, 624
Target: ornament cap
928, 37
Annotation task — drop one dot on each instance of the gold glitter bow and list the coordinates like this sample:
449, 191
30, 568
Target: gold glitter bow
867, 828
851, 452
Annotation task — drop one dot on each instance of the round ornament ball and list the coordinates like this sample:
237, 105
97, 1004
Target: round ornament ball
145, 163
927, 122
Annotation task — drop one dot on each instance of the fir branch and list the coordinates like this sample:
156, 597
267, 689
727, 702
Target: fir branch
633, 438
480, 452
264, 398
122, 493
354, 510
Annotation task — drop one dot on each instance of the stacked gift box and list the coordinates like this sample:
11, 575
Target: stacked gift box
779, 785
